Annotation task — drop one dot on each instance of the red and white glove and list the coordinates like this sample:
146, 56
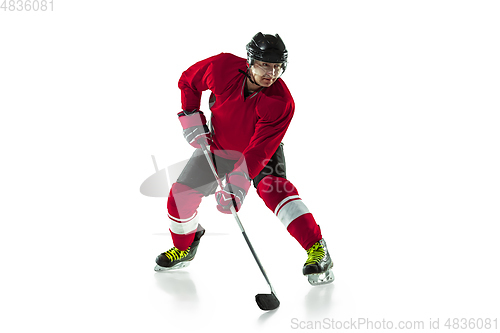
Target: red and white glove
234, 192
195, 127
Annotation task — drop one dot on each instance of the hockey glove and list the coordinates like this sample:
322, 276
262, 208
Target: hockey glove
195, 127
233, 193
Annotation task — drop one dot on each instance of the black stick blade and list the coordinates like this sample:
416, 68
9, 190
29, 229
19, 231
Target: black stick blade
267, 302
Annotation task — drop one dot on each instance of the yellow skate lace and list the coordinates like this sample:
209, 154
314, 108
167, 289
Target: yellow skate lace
176, 254
315, 254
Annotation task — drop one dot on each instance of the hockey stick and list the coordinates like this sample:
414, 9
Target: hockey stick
264, 301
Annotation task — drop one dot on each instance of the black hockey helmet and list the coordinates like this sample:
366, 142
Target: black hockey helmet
267, 48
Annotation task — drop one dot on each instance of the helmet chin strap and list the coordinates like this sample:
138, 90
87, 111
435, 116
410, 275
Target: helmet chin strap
250, 77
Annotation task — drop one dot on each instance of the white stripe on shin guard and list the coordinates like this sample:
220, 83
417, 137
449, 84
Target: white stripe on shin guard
283, 202
184, 228
289, 209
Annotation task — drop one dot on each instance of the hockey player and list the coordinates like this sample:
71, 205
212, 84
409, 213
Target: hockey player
251, 110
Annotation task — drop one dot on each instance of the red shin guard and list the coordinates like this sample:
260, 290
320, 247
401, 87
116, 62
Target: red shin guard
305, 230
182, 242
182, 204
283, 199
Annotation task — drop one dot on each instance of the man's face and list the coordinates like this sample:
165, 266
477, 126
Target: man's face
266, 73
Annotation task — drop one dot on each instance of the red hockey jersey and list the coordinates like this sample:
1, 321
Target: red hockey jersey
253, 126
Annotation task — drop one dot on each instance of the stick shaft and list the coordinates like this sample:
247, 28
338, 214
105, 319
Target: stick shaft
235, 215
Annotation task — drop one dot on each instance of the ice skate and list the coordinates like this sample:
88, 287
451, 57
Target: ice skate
175, 258
318, 267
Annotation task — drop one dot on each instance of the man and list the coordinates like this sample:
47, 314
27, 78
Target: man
251, 110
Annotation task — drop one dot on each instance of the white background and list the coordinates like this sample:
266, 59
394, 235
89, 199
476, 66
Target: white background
394, 147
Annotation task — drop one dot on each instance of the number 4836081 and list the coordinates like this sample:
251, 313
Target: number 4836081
27, 5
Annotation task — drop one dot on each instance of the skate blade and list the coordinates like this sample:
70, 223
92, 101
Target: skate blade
176, 266
320, 279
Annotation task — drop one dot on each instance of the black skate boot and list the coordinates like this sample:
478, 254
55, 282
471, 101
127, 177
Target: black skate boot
318, 267
175, 258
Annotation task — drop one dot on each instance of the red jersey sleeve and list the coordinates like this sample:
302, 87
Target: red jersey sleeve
211, 73
193, 82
